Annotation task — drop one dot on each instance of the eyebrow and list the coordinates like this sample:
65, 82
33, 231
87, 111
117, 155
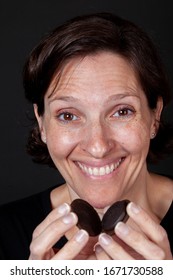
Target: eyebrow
114, 97
67, 98
121, 96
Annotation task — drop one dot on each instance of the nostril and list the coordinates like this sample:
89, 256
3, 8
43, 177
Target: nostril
97, 140
98, 148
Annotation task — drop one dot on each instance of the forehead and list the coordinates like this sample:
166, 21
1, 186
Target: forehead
102, 70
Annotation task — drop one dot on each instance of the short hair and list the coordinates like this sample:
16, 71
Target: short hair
88, 35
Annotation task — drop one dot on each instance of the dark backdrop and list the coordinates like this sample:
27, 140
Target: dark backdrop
22, 23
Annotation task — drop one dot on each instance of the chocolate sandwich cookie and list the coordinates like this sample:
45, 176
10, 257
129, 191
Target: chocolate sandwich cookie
89, 219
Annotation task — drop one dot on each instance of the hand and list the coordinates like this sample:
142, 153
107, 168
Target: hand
55, 225
150, 242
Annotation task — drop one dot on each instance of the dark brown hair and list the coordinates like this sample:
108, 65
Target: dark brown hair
87, 35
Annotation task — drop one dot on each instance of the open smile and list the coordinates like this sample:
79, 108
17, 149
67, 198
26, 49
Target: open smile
102, 170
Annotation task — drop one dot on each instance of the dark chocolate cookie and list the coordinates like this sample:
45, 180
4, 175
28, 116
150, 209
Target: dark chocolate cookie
89, 220
115, 213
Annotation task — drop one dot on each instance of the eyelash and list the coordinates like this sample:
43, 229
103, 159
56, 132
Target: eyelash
72, 117
62, 115
129, 112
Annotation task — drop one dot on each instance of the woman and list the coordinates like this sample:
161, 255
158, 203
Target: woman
98, 89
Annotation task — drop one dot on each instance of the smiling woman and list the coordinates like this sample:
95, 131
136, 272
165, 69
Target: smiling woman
98, 88
95, 141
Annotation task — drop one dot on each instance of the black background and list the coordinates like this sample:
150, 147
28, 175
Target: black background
22, 23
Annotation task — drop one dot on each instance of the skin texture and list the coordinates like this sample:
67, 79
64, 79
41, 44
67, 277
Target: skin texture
97, 118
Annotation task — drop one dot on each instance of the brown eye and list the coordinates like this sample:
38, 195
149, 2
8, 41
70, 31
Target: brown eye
124, 112
67, 117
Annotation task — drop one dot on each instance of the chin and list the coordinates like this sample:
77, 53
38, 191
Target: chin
99, 203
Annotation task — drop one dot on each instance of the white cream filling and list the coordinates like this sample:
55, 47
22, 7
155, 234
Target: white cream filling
100, 171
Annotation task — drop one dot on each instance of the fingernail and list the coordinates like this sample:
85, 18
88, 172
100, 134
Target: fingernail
63, 209
134, 208
81, 236
69, 219
105, 239
98, 249
122, 228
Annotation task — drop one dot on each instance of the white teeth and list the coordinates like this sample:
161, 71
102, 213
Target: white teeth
100, 171
95, 171
90, 171
107, 169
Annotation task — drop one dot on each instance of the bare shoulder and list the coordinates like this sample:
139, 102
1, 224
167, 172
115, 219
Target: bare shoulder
164, 183
162, 187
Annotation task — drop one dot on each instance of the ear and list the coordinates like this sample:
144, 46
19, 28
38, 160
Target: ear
156, 117
159, 109
40, 123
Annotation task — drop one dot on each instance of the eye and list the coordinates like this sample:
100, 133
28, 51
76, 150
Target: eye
123, 113
67, 117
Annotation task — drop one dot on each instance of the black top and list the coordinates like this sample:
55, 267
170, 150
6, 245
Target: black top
19, 219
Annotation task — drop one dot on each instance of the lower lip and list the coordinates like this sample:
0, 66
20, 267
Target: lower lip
101, 177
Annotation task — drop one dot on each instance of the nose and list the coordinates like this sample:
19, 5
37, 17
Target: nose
97, 141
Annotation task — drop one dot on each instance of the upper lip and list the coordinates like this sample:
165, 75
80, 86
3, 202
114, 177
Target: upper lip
101, 163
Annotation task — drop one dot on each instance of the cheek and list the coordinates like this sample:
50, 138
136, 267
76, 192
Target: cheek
135, 138
60, 143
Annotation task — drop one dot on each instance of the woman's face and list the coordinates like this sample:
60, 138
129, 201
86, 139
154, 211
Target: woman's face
98, 126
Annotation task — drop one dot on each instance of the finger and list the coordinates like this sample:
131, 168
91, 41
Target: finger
152, 229
139, 242
73, 247
91, 257
54, 231
112, 248
55, 214
100, 253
